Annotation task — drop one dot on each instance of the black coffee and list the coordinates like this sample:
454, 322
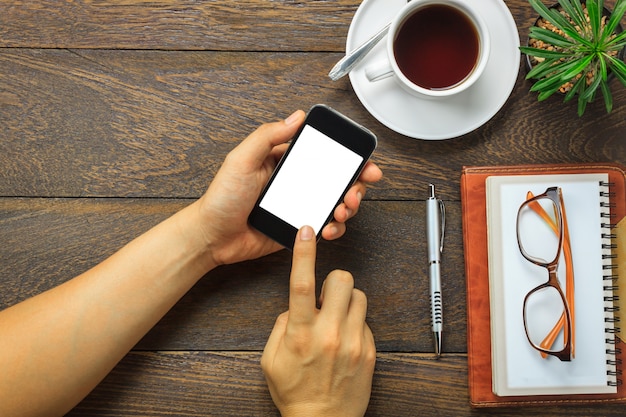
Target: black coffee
436, 47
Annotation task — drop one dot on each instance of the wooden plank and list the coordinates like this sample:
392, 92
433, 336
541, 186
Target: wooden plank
47, 241
158, 124
232, 384
167, 24
252, 25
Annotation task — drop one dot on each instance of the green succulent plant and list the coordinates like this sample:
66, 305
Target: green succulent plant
579, 50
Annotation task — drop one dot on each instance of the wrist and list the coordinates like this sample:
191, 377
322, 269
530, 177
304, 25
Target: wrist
193, 239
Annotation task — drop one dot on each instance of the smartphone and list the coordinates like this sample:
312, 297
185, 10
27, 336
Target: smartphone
323, 160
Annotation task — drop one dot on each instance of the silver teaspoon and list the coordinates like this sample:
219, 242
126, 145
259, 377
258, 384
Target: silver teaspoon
349, 61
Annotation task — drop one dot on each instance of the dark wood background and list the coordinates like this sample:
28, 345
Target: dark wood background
116, 114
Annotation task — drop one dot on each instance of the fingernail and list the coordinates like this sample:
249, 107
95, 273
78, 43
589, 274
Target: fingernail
359, 196
292, 119
306, 233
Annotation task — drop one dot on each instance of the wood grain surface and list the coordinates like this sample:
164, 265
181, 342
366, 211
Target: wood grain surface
116, 114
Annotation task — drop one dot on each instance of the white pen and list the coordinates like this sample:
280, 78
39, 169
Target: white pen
435, 225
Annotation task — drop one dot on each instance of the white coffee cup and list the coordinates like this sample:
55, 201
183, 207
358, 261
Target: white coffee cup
435, 14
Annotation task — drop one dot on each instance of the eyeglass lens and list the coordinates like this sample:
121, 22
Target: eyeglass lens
537, 238
543, 309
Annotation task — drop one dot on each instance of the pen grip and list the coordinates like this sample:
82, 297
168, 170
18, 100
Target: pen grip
435, 297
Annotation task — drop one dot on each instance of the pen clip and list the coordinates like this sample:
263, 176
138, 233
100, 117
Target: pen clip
442, 211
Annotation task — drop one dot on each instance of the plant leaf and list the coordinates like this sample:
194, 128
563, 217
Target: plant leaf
543, 53
572, 32
542, 68
577, 67
553, 16
621, 78
616, 41
579, 9
603, 68
606, 93
553, 68
572, 92
590, 92
617, 64
547, 84
550, 37
540, 8
616, 17
575, 11
547, 92
595, 17
619, 68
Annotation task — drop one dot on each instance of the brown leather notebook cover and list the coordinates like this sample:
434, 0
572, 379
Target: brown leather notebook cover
474, 209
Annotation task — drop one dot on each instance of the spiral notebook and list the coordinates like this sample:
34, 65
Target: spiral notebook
501, 369
517, 368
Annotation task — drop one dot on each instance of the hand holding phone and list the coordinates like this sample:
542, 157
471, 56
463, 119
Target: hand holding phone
323, 161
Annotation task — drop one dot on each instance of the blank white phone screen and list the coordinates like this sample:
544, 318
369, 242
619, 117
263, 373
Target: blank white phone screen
311, 180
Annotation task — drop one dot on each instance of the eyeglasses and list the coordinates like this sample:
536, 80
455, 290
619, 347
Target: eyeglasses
547, 311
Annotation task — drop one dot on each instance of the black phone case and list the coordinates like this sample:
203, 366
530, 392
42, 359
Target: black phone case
339, 128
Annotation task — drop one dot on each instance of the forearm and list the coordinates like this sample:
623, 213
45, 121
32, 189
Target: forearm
56, 347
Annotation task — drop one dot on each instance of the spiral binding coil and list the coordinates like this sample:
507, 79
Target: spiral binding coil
609, 266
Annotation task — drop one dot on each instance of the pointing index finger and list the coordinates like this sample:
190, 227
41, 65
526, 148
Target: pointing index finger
302, 301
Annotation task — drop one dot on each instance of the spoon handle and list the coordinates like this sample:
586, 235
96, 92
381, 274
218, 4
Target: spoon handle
349, 61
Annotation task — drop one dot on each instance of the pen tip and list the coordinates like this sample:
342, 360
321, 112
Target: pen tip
437, 343
431, 189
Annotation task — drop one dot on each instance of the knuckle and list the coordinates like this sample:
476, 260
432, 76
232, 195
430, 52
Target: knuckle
359, 297
342, 277
369, 358
354, 353
231, 157
266, 363
282, 318
299, 342
331, 343
359, 353
302, 287
370, 353
262, 130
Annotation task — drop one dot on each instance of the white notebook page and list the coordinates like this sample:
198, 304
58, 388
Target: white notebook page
518, 368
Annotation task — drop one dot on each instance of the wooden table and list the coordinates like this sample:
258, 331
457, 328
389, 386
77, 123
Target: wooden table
116, 114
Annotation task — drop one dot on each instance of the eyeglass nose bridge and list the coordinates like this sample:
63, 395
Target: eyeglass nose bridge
553, 274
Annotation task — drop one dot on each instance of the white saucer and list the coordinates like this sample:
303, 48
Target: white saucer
423, 118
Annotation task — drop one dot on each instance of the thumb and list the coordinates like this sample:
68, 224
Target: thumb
260, 143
